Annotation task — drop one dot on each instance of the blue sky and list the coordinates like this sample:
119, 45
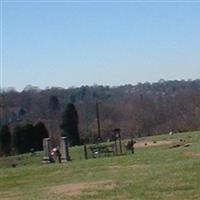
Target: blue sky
72, 44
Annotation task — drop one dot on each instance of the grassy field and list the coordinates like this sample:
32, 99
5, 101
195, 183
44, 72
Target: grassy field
154, 172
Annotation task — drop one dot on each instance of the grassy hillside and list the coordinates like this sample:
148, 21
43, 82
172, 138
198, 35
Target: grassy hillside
154, 172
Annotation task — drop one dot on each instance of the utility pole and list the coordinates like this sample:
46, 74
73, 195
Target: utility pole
98, 121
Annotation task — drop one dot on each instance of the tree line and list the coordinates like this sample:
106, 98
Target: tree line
23, 138
139, 110
27, 137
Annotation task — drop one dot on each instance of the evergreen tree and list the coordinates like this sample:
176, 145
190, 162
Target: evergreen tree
17, 139
5, 141
24, 138
70, 124
40, 133
29, 135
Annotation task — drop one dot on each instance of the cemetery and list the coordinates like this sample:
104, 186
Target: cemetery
100, 149
99, 100
153, 167
108, 177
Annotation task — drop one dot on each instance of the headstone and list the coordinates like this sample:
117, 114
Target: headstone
64, 149
46, 150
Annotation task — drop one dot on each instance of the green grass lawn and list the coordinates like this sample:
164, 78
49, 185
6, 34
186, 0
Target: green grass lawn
152, 173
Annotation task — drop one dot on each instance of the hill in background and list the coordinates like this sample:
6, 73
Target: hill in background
139, 110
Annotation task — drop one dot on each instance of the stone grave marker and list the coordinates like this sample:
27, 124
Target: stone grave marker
64, 149
46, 150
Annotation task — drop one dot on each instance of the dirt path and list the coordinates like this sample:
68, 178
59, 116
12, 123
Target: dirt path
73, 189
152, 144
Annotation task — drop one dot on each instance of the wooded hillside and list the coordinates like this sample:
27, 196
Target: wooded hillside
143, 109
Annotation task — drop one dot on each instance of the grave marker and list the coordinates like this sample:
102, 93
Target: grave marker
64, 149
47, 150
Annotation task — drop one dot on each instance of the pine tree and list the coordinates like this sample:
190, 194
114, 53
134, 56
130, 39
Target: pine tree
40, 133
70, 124
24, 138
5, 140
17, 139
